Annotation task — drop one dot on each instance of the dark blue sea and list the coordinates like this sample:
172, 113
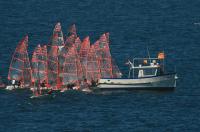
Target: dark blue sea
172, 26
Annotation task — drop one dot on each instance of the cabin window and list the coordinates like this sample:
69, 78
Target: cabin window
149, 72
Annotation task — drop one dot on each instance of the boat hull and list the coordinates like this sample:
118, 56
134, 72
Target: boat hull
11, 87
164, 82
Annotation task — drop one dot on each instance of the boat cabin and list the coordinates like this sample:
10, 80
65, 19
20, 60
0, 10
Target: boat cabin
145, 67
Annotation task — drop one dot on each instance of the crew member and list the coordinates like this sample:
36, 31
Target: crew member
93, 83
19, 83
13, 82
43, 84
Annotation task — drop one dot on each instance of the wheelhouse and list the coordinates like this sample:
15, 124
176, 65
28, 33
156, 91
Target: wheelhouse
145, 67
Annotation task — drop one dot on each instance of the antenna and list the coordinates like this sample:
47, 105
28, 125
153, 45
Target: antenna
148, 52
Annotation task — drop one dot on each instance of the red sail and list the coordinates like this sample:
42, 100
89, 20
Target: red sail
115, 70
103, 53
20, 69
72, 30
78, 44
36, 61
45, 64
57, 39
85, 46
39, 66
56, 45
72, 69
70, 40
71, 36
108, 37
93, 69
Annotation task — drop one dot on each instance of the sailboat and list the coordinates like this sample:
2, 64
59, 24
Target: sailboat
71, 36
20, 70
39, 71
93, 71
103, 53
72, 71
54, 49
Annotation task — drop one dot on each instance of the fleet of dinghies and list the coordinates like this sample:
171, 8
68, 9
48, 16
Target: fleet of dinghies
62, 64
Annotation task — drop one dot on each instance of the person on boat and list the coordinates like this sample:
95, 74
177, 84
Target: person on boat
69, 86
85, 83
43, 84
16, 83
50, 91
77, 85
93, 83
13, 82
19, 83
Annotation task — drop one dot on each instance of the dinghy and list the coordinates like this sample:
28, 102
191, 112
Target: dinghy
54, 50
71, 68
104, 56
39, 72
20, 70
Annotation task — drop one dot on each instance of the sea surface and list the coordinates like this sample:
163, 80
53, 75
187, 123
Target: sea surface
172, 26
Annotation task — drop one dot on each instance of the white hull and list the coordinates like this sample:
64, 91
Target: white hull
87, 90
41, 88
163, 82
11, 87
38, 96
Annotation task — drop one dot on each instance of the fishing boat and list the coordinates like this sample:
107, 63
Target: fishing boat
20, 71
144, 74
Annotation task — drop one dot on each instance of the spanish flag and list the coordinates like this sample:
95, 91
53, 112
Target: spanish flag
161, 55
